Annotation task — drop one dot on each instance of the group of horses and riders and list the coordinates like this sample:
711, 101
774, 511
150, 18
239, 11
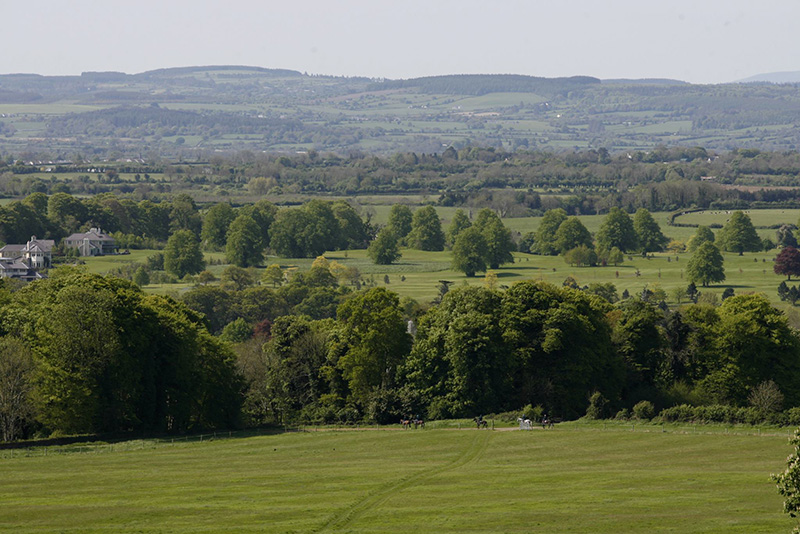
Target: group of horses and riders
526, 424
416, 421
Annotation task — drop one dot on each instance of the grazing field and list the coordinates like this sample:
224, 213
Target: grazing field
417, 273
761, 218
570, 479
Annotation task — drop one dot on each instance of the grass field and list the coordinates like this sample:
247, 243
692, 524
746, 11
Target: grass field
760, 218
570, 479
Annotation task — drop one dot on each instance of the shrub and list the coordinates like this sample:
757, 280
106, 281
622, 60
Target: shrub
597, 406
644, 410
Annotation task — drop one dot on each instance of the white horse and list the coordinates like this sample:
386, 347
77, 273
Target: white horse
524, 423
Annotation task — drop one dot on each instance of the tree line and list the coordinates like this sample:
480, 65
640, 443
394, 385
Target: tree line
84, 353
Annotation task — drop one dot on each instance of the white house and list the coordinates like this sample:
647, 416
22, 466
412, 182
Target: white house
95, 242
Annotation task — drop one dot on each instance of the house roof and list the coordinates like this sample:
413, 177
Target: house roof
94, 234
41, 245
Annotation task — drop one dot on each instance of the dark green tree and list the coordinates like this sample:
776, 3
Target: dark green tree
470, 252
182, 255
243, 243
426, 230
215, 226
560, 343
572, 234
499, 244
459, 222
459, 364
384, 249
617, 231
371, 341
648, 232
400, 218
545, 236
785, 237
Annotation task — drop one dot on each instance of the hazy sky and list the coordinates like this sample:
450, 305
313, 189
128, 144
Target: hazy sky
701, 41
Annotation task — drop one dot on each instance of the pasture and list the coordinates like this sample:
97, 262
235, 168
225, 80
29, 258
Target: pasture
570, 479
761, 218
417, 273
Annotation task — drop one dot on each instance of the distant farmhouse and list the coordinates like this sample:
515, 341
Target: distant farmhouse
92, 243
25, 261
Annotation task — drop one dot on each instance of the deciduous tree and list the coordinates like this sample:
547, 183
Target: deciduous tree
787, 262
182, 255
706, 265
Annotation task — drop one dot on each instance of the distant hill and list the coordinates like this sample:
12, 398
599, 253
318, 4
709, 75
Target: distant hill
773, 77
644, 81
481, 84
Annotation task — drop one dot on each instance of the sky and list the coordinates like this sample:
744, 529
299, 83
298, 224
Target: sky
699, 41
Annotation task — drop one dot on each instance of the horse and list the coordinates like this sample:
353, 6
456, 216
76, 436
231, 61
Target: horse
547, 422
480, 422
524, 423
418, 423
406, 423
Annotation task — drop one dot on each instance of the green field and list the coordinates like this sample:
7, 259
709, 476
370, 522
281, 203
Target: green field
570, 479
760, 218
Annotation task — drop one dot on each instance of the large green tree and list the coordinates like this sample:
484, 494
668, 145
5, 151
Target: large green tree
706, 265
571, 234
16, 385
400, 219
371, 341
459, 222
701, 235
243, 246
648, 232
384, 249
560, 341
739, 235
470, 252
459, 364
215, 225
545, 237
110, 358
426, 230
617, 230
182, 255
499, 244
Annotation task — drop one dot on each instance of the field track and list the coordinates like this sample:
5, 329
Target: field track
472, 453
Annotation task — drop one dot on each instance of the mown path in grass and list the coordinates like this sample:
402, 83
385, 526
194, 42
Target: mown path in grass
566, 480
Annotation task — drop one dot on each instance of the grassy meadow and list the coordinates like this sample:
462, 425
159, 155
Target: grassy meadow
570, 479
417, 273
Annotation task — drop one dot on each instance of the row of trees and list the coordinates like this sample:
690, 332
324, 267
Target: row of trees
483, 351
94, 354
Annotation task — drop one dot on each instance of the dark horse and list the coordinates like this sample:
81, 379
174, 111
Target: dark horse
480, 422
418, 422
406, 423
547, 422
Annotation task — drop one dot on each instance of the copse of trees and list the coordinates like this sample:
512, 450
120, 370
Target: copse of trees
94, 354
110, 359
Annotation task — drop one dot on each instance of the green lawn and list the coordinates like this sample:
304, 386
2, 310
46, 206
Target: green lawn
570, 479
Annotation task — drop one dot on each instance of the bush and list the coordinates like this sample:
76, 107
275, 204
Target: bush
597, 406
644, 410
682, 413
623, 415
